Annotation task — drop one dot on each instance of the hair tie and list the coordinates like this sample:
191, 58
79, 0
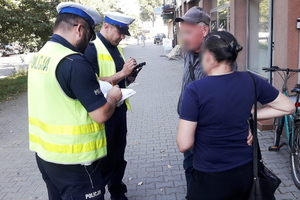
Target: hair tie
234, 47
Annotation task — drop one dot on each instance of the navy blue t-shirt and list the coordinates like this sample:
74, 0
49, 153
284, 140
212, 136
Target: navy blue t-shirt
221, 105
78, 79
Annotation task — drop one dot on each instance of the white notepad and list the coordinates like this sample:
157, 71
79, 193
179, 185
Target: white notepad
126, 93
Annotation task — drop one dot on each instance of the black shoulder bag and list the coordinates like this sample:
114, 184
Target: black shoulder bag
265, 182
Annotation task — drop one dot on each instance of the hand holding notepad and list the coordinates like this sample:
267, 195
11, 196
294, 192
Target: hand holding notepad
126, 93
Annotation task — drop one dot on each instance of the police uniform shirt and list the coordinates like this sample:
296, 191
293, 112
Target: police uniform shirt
77, 78
91, 54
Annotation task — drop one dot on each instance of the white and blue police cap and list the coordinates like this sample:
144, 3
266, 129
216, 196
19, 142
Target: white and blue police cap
119, 20
90, 15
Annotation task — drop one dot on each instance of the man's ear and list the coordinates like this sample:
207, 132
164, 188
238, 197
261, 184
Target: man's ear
106, 26
205, 30
79, 30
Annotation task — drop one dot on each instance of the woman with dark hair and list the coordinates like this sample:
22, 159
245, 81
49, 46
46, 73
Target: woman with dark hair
214, 122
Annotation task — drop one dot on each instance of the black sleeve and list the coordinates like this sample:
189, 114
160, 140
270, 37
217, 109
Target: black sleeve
91, 54
78, 79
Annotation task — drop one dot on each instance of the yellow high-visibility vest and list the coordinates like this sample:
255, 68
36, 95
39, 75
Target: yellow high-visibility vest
106, 63
60, 129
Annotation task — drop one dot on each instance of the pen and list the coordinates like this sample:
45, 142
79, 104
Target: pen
112, 83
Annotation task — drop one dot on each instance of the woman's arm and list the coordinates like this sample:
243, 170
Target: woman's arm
186, 135
281, 106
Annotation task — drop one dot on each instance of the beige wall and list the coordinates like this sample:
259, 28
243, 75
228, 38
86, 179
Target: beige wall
238, 27
286, 38
170, 30
206, 5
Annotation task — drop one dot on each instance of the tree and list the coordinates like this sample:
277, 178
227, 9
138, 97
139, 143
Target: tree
29, 22
101, 6
147, 12
264, 15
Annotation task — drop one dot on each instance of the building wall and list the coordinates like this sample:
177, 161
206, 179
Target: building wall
170, 29
238, 27
286, 38
206, 5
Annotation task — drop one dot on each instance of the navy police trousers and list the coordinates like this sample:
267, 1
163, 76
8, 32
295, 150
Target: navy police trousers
113, 165
72, 182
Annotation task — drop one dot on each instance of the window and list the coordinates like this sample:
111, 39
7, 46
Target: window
216, 3
222, 2
220, 15
258, 36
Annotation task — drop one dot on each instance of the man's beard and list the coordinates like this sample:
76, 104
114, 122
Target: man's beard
116, 42
82, 44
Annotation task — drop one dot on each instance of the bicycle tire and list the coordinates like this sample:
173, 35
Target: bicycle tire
295, 156
278, 123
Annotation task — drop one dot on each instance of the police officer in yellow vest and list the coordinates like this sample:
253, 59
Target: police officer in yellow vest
67, 109
109, 63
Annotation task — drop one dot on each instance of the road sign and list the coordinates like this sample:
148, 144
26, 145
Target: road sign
157, 11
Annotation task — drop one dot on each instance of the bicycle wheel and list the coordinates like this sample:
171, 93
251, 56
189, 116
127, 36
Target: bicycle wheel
295, 155
278, 123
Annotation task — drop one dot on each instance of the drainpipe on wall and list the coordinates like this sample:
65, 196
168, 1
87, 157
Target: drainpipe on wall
298, 28
271, 40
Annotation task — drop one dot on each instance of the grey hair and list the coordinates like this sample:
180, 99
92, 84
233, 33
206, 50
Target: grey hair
202, 24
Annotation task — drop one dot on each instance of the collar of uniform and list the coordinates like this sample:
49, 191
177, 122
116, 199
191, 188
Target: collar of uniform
106, 43
59, 39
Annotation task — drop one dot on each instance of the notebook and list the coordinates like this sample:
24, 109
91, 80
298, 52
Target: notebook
126, 93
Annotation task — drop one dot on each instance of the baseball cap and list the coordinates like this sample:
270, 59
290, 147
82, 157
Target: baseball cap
195, 15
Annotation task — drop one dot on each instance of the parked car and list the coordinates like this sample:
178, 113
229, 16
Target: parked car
158, 38
8, 50
2, 49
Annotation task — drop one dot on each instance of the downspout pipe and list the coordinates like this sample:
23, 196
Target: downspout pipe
271, 38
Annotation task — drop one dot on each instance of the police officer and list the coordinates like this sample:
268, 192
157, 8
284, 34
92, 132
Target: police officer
67, 109
110, 65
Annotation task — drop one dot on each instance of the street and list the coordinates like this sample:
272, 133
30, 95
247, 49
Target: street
154, 170
11, 64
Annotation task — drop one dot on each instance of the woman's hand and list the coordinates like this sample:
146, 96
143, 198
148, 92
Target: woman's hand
250, 137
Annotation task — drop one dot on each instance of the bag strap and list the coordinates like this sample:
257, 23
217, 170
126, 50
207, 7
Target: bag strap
256, 149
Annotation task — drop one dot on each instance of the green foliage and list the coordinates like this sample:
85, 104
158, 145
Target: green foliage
135, 29
13, 85
264, 15
28, 21
31, 21
147, 12
100, 5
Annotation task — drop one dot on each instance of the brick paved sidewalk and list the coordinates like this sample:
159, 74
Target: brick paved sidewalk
154, 170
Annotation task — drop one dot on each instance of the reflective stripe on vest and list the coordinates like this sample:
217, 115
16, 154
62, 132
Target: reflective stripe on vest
66, 130
106, 63
67, 149
104, 57
60, 129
